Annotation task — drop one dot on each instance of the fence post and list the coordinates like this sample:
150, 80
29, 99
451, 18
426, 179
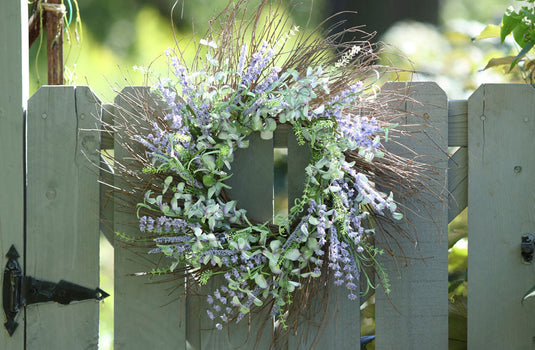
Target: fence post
13, 97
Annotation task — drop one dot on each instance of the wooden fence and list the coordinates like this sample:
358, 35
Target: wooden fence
66, 208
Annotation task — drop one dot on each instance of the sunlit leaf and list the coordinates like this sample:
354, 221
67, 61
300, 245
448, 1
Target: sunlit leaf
490, 31
518, 34
500, 61
510, 21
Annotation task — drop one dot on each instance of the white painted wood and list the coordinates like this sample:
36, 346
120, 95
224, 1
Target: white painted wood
501, 134
13, 97
415, 314
62, 240
457, 182
148, 314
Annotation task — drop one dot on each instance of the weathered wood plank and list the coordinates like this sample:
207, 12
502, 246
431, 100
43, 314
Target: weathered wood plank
147, 314
336, 321
331, 322
13, 98
252, 179
106, 174
252, 187
298, 159
457, 182
415, 314
458, 123
108, 111
501, 130
62, 240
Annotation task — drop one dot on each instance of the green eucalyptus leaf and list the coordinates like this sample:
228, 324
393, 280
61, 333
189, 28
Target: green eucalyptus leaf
208, 180
313, 221
397, 216
260, 281
275, 245
292, 254
274, 267
166, 184
319, 110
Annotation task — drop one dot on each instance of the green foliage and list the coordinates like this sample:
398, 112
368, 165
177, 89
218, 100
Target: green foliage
521, 25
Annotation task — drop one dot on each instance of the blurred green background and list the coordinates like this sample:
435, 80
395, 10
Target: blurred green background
433, 38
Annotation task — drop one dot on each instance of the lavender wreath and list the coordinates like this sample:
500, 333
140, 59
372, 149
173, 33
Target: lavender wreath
242, 83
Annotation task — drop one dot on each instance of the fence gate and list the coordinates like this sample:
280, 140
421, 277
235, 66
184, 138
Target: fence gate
52, 209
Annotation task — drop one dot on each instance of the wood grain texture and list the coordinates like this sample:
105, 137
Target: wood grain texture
13, 99
458, 123
106, 174
415, 314
501, 130
457, 182
148, 314
298, 159
62, 239
336, 321
329, 323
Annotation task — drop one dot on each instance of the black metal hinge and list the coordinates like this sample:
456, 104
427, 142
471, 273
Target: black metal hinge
19, 291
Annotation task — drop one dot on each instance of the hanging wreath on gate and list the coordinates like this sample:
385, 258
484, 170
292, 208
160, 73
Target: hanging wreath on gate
245, 80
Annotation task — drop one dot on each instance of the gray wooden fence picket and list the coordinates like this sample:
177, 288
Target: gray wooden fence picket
13, 99
335, 322
501, 194
62, 199
147, 314
252, 188
415, 314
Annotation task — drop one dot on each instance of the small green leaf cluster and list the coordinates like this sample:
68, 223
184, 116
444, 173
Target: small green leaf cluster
521, 25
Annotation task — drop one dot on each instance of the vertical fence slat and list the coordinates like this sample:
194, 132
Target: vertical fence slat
336, 321
62, 239
252, 187
147, 314
331, 323
13, 97
298, 159
415, 314
106, 174
457, 182
501, 193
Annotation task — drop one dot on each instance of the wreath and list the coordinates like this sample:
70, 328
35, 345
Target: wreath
239, 84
